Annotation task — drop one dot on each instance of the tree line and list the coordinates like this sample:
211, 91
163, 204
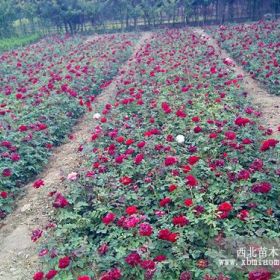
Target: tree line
79, 15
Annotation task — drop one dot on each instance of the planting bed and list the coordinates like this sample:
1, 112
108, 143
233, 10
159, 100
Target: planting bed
256, 47
44, 89
177, 159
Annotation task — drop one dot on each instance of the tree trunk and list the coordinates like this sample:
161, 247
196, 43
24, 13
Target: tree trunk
66, 27
217, 10
71, 27
230, 10
127, 19
254, 11
204, 13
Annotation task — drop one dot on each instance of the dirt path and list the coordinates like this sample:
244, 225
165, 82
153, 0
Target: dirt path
268, 104
18, 254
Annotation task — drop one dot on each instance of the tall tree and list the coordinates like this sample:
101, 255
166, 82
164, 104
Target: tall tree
7, 17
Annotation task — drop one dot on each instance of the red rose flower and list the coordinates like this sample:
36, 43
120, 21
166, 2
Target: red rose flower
109, 218
195, 119
166, 234
22, 128
180, 221
173, 237
119, 159
243, 175
225, 206
198, 210
38, 275
129, 142
181, 114
51, 274
63, 262
247, 141
141, 144
165, 201
129, 151
4, 195
259, 274
172, 188
166, 108
223, 215
193, 160
41, 126
169, 160
188, 202
60, 201
38, 183
36, 234
15, 157
138, 159
230, 135
197, 129
186, 275
241, 121
145, 229
84, 277
6, 144
169, 138
160, 258
103, 249
263, 187
133, 259
131, 210
243, 215
186, 168
147, 264
191, 181
213, 135
7, 172
126, 180
213, 70
120, 139
267, 144
257, 165
113, 274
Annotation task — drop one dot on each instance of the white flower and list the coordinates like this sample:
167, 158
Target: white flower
72, 176
180, 139
96, 116
228, 61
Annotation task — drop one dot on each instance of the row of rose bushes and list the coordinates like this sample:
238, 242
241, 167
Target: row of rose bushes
256, 47
177, 160
44, 89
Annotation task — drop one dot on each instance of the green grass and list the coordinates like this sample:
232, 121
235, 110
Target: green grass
15, 42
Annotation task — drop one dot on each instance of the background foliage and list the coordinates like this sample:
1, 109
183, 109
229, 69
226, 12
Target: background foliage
29, 16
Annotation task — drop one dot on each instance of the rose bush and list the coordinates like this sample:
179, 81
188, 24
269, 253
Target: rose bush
145, 205
256, 47
44, 89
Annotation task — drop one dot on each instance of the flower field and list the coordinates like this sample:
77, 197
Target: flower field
177, 159
44, 89
256, 47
